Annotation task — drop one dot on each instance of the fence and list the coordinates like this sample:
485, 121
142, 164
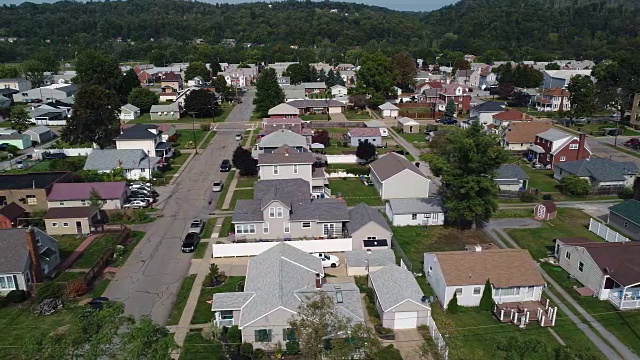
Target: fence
38, 153
404, 260
255, 248
335, 124
341, 159
604, 232
438, 339
97, 268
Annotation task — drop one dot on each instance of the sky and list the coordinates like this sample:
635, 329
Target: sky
404, 5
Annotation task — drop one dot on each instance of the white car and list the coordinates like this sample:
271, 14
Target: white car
144, 185
136, 204
238, 136
217, 186
195, 226
328, 260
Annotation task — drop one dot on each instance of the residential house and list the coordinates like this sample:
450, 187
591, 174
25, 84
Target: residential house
21, 84
600, 172
29, 190
10, 215
239, 77
379, 125
608, 270
135, 163
634, 117
40, 134
171, 80
196, 82
284, 110
553, 99
512, 273
338, 90
561, 78
329, 106
363, 262
270, 125
21, 141
408, 125
276, 139
485, 111
511, 177
415, 211
366, 135
112, 194
284, 209
294, 92
487, 78
64, 78
504, 118
48, 116
28, 256
368, 228
129, 112
519, 135
349, 77
398, 298
278, 282
165, 112
395, 177
470, 78
625, 217
457, 93
147, 137
165, 130
46, 93
555, 146
314, 87
389, 110
82, 220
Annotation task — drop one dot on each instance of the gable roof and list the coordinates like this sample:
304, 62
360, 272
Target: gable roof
525, 132
394, 285
510, 171
407, 121
138, 132
489, 106
82, 191
175, 107
282, 121
282, 137
619, 260
512, 115
171, 76
40, 129
391, 164
286, 155
364, 132
71, 212
362, 258
12, 211
556, 92
14, 254
283, 109
109, 159
504, 267
601, 169
388, 106
629, 210
416, 205
450, 89
554, 135
362, 215
301, 104
130, 107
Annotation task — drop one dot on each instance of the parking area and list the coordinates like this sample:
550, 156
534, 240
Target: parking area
237, 266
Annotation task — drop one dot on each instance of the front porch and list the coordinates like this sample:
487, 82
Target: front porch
164, 150
626, 298
223, 318
521, 313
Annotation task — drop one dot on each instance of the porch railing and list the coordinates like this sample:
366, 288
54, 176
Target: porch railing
632, 302
223, 322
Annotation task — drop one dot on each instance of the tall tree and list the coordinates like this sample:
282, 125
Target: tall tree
34, 72
143, 98
48, 59
128, 82
268, 92
9, 71
376, 75
467, 161
19, 118
94, 118
99, 69
297, 73
582, 96
616, 83
404, 70
201, 101
366, 151
552, 66
450, 109
197, 68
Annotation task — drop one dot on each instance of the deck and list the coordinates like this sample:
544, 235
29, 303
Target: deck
524, 312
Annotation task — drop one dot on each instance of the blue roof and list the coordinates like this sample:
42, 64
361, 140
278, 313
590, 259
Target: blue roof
599, 168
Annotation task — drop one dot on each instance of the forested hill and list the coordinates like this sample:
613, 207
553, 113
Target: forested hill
498, 29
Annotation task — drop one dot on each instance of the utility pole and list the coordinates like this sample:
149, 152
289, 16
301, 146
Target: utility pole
193, 118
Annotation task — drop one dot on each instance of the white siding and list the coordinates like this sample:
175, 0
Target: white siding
286, 171
434, 276
591, 276
108, 204
405, 184
149, 146
407, 219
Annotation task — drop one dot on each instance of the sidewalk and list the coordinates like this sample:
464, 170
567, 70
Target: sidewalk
424, 167
232, 187
77, 252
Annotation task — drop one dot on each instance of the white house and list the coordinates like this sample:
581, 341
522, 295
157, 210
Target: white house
561, 78
20, 84
389, 110
511, 177
141, 136
338, 90
395, 177
46, 93
415, 212
485, 111
165, 112
513, 275
366, 135
129, 112
135, 163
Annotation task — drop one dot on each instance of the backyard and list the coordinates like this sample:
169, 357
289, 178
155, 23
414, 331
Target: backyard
94, 251
354, 114
68, 244
221, 116
203, 313
540, 179
353, 191
186, 135
246, 194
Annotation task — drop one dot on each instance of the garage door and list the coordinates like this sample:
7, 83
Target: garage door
406, 320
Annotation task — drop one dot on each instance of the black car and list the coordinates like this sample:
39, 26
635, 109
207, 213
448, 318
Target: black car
97, 303
190, 242
225, 166
53, 156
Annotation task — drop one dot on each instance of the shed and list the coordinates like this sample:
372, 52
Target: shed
389, 110
359, 135
40, 134
546, 210
408, 125
363, 262
72, 220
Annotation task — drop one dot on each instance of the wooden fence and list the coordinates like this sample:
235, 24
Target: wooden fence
335, 124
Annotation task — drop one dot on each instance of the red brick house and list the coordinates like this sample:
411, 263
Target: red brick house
554, 146
10, 214
459, 94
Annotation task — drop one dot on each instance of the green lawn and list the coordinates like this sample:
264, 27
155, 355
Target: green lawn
226, 227
186, 135
68, 244
540, 179
539, 241
223, 194
181, 299
209, 226
240, 195
99, 286
315, 117
226, 110
220, 117
203, 314
94, 251
418, 138
597, 129
625, 150
135, 238
246, 181
353, 191
176, 163
201, 249
196, 348
70, 275
352, 114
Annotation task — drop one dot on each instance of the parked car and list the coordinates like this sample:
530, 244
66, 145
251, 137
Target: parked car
136, 204
195, 226
190, 242
225, 166
632, 142
238, 136
139, 184
449, 121
217, 186
328, 260
97, 303
150, 199
52, 156
144, 191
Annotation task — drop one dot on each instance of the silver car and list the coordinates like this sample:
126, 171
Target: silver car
195, 226
217, 186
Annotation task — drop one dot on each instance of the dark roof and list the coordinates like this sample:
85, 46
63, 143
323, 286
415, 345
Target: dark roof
31, 180
629, 210
574, 240
171, 76
617, 259
12, 211
164, 145
600, 169
8, 92
391, 164
510, 171
14, 254
300, 104
489, 106
82, 191
286, 155
293, 188
550, 205
138, 132
363, 214
71, 212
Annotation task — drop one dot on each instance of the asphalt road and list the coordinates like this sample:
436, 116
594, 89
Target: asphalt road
148, 282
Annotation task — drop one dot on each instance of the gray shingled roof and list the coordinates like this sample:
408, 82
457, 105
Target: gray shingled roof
394, 285
351, 305
231, 300
282, 137
363, 214
416, 206
294, 187
553, 135
388, 106
109, 159
359, 258
510, 171
301, 104
138, 132
284, 108
14, 255
321, 210
247, 211
489, 106
600, 169
391, 164
41, 129
286, 155
171, 107
130, 107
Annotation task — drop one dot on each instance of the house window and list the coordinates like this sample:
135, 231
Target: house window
372, 238
54, 224
427, 216
27, 277
83, 202
573, 146
287, 227
31, 200
458, 291
265, 228
64, 224
567, 255
563, 158
61, 203
245, 229
295, 169
477, 291
581, 266
7, 283
279, 212
306, 225
414, 216
289, 334
263, 335
511, 291
276, 170
272, 212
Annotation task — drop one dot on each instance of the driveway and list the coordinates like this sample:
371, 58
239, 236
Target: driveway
338, 117
148, 281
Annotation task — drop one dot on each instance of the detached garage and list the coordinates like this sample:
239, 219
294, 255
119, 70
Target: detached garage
398, 298
363, 262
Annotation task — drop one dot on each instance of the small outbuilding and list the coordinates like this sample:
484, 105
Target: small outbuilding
389, 110
408, 125
363, 262
129, 112
40, 134
72, 220
546, 210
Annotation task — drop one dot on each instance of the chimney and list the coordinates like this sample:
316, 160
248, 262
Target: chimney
581, 146
478, 248
318, 281
34, 254
286, 151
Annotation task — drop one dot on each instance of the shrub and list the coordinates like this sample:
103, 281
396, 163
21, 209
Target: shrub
573, 185
75, 289
205, 127
293, 347
117, 216
138, 215
190, 145
172, 138
259, 354
246, 351
17, 296
387, 353
486, 301
157, 174
176, 152
49, 290
528, 196
234, 338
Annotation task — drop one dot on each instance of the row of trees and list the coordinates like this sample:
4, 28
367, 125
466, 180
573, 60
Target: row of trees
303, 72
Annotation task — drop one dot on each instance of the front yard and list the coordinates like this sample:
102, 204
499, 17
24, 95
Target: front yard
94, 251
203, 313
185, 136
246, 194
246, 181
181, 299
352, 114
354, 191
196, 347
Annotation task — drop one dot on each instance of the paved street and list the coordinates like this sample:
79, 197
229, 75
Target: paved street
601, 150
148, 282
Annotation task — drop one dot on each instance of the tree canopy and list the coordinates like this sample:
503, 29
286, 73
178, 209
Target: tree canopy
268, 92
98, 68
521, 75
197, 68
19, 118
200, 101
143, 98
582, 96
